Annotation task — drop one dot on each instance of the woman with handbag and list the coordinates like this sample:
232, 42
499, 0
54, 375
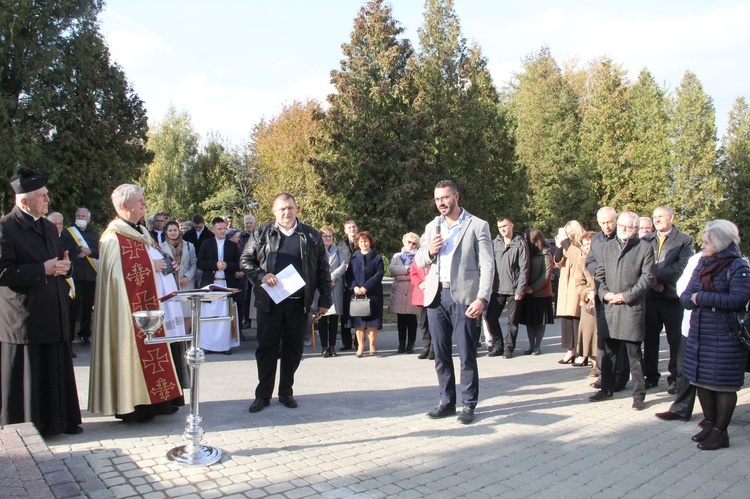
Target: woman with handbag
400, 302
586, 344
536, 307
364, 277
714, 357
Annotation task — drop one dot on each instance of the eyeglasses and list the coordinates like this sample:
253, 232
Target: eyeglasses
412, 243
625, 227
325, 236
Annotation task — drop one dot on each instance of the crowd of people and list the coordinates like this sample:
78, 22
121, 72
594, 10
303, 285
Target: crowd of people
617, 289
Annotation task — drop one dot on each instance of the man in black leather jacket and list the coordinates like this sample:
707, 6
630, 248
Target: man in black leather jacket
281, 326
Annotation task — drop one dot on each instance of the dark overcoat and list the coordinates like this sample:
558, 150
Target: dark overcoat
33, 306
629, 270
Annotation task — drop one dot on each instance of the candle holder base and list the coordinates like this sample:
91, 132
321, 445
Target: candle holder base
205, 455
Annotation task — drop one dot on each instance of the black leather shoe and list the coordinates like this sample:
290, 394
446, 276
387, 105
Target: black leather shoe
638, 404
672, 388
288, 401
75, 430
431, 355
507, 355
596, 384
466, 415
442, 411
652, 383
497, 352
259, 404
600, 396
423, 354
668, 416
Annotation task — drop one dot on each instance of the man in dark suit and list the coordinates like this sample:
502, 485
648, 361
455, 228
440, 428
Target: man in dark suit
672, 250
37, 380
199, 233
624, 274
347, 245
160, 222
82, 244
218, 258
458, 248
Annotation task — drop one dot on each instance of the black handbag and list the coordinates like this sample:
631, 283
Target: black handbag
360, 307
741, 321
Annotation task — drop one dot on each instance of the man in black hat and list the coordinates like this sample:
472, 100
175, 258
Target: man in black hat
37, 381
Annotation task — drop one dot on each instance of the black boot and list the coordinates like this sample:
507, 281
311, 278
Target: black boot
717, 439
410, 347
400, 347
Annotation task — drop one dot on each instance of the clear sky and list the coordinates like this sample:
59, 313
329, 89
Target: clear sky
229, 63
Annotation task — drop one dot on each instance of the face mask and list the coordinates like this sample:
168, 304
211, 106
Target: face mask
81, 224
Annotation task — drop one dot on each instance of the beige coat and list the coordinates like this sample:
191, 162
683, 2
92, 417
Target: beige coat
401, 291
568, 299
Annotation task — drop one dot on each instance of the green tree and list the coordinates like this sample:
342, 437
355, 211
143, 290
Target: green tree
368, 163
697, 188
225, 179
545, 109
280, 150
606, 135
649, 151
99, 129
735, 166
64, 107
465, 135
172, 177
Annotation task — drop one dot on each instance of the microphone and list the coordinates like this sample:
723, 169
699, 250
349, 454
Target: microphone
437, 224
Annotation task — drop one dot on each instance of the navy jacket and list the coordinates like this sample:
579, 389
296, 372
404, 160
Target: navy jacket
713, 355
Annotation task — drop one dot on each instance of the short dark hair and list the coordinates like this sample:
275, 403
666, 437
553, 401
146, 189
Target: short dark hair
447, 183
285, 196
505, 217
198, 219
218, 220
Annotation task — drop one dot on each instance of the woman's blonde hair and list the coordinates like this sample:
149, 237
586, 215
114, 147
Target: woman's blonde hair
576, 230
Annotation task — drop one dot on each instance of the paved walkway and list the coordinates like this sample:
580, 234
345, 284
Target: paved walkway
360, 431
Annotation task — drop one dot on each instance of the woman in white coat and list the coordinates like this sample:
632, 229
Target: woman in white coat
183, 253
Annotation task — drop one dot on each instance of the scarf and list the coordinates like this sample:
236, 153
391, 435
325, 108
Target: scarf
176, 249
707, 273
407, 257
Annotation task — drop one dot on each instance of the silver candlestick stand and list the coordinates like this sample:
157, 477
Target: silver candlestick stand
193, 453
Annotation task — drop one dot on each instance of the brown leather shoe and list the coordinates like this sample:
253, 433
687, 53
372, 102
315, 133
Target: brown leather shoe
668, 416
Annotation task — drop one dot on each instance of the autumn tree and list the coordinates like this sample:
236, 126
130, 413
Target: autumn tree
280, 152
697, 189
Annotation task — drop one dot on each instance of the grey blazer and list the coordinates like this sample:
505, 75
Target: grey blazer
472, 266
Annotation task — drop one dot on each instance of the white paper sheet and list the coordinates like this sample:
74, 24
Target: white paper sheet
288, 282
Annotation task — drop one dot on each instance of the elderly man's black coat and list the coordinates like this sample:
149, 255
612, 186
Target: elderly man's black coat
33, 306
628, 270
